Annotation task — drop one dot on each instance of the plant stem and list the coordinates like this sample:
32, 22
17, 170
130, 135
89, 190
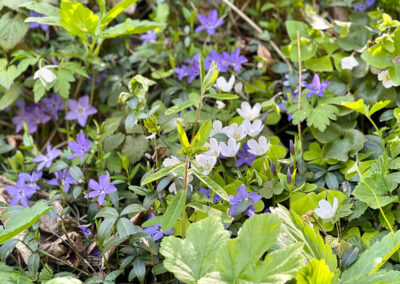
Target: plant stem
185, 185
379, 133
198, 113
299, 99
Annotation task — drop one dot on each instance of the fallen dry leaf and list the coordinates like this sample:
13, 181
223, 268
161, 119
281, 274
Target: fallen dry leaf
264, 53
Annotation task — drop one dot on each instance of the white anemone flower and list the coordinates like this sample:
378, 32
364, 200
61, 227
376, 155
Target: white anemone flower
216, 128
220, 105
326, 210
206, 162
349, 62
248, 112
234, 131
223, 85
45, 75
214, 148
231, 149
253, 129
258, 148
386, 81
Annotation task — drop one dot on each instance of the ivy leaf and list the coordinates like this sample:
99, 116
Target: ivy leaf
381, 185
190, 259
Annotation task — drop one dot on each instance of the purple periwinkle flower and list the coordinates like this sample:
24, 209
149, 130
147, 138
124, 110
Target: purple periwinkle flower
46, 161
235, 59
31, 179
207, 192
209, 23
35, 25
101, 188
80, 110
80, 147
53, 105
32, 115
20, 193
149, 36
62, 179
363, 7
85, 231
317, 87
155, 230
289, 176
245, 157
291, 147
243, 195
272, 168
96, 252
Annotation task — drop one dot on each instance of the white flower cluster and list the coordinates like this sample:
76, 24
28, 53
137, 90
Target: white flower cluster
251, 126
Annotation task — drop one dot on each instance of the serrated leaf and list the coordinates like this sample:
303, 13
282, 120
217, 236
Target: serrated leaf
358, 106
12, 30
315, 272
320, 116
378, 106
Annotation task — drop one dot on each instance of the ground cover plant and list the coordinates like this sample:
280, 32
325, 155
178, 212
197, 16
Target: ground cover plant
168, 141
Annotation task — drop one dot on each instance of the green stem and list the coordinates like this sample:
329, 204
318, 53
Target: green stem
185, 185
198, 113
379, 133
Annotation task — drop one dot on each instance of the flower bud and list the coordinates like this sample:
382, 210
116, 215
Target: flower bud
289, 176
272, 168
291, 147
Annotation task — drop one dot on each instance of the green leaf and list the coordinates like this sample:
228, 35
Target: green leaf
222, 97
209, 78
42, 8
9, 275
315, 272
182, 136
7, 75
174, 211
192, 258
12, 30
136, 152
237, 256
115, 11
180, 107
351, 142
132, 208
321, 64
202, 135
105, 229
130, 27
161, 173
294, 230
381, 185
211, 184
24, 220
125, 227
10, 96
77, 19
372, 259
377, 56
293, 27
211, 211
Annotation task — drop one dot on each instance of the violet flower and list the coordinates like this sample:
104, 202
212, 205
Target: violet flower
80, 110
20, 193
207, 192
365, 6
155, 230
245, 157
46, 161
101, 188
53, 105
235, 59
32, 115
317, 87
80, 147
31, 179
242, 195
35, 25
209, 23
85, 231
149, 36
62, 179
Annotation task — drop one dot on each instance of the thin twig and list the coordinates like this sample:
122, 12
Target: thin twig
299, 99
258, 29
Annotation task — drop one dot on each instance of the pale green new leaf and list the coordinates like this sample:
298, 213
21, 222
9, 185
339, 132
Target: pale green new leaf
24, 220
211, 184
315, 272
130, 27
381, 185
115, 11
372, 258
77, 19
12, 30
182, 136
202, 135
192, 258
378, 106
358, 106
174, 211
161, 173
278, 267
237, 256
